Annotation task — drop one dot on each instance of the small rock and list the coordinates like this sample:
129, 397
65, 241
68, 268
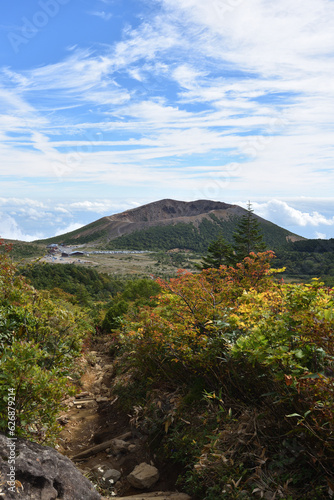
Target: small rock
119, 446
143, 476
112, 475
82, 395
68, 401
62, 420
132, 448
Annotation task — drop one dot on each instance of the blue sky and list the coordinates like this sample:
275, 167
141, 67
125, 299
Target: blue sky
109, 104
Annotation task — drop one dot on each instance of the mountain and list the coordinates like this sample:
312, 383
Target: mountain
168, 224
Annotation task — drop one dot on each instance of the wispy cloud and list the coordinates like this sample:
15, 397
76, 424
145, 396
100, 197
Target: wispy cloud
191, 86
106, 16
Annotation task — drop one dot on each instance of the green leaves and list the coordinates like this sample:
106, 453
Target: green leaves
39, 341
220, 252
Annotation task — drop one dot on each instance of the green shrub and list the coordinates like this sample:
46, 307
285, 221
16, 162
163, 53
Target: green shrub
39, 341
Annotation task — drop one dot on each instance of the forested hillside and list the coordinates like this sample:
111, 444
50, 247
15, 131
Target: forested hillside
308, 259
84, 283
187, 236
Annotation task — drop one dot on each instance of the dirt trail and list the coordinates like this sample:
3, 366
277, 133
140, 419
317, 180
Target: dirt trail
97, 434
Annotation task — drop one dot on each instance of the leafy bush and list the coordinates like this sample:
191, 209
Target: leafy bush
39, 341
190, 325
38, 391
114, 315
286, 328
264, 352
137, 292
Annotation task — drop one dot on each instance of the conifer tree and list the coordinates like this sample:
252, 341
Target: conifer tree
219, 252
248, 237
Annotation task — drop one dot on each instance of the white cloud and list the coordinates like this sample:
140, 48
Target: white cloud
249, 33
187, 76
102, 14
233, 80
19, 202
10, 230
283, 214
61, 210
102, 206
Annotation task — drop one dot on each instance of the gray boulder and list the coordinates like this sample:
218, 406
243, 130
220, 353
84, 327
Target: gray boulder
40, 472
143, 476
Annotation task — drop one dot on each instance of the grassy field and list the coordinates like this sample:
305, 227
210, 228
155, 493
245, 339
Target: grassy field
141, 264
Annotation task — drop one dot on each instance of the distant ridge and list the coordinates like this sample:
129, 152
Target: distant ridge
170, 223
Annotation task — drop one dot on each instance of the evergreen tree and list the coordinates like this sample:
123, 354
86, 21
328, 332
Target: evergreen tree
219, 252
248, 237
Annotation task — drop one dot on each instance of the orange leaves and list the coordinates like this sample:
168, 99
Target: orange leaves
189, 325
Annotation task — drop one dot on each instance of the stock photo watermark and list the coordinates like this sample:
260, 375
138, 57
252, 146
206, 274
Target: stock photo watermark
11, 475
31, 26
219, 181
73, 159
251, 147
224, 6
258, 143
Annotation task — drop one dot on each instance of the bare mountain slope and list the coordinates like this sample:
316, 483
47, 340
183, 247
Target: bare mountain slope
162, 213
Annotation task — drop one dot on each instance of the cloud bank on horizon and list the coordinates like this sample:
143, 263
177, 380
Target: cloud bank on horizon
109, 104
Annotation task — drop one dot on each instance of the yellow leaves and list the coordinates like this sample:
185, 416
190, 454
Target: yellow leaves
273, 271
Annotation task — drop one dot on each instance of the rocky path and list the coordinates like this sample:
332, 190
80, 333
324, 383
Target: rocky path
99, 439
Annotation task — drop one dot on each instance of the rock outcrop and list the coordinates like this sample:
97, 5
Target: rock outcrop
41, 473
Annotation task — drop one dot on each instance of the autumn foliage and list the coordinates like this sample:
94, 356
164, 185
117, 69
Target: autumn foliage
257, 341
190, 325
